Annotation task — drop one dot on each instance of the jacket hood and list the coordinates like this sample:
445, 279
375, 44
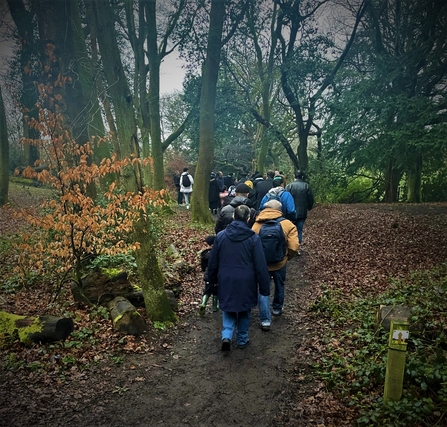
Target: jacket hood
268, 213
276, 190
185, 173
237, 231
239, 200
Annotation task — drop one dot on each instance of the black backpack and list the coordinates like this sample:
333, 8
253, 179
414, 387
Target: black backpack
273, 240
186, 182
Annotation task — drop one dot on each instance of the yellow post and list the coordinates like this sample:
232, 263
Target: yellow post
397, 350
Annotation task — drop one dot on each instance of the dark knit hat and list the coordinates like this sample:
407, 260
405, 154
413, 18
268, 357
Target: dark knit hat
242, 188
210, 240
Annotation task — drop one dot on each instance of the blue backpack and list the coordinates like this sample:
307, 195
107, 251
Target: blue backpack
273, 240
277, 196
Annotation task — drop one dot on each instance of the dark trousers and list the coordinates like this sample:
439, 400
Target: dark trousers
179, 196
210, 289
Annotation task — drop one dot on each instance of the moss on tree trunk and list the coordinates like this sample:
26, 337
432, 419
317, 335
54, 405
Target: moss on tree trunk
151, 278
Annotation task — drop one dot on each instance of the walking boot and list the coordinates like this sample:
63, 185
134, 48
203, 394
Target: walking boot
202, 306
215, 303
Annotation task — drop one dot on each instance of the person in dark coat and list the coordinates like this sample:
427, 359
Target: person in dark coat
303, 199
214, 194
229, 180
220, 179
257, 177
210, 288
226, 213
237, 262
177, 187
262, 187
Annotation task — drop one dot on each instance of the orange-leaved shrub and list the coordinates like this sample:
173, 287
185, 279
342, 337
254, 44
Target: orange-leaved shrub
74, 224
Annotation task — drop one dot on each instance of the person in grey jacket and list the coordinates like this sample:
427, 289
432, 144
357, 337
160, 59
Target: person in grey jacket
303, 199
226, 213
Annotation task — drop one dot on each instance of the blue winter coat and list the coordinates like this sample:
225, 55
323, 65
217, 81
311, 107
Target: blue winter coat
237, 263
286, 199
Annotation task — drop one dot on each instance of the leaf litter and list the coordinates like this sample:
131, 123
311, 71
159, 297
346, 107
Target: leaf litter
178, 376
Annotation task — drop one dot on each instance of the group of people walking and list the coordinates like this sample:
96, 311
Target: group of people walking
255, 238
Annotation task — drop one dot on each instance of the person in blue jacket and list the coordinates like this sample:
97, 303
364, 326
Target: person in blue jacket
277, 192
237, 262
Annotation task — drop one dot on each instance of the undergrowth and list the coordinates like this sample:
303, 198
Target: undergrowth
354, 364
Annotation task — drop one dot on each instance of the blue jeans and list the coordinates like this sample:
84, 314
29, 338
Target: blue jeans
239, 321
187, 197
279, 278
264, 308
300, 225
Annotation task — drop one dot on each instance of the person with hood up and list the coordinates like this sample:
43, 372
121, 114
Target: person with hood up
277, 192
226, 213
186, 183
237, 262
273, 210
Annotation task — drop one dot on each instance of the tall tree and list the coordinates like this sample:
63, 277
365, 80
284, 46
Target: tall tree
389, 113
24, 19
4, 154
253, 63
118, 89
304, 100
152, 39
200, 211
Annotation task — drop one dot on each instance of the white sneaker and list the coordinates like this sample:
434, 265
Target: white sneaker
187, 206
265, 326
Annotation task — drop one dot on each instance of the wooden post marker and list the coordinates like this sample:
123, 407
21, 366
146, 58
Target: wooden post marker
395, 367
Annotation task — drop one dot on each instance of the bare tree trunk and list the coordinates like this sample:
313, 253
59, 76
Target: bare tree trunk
414, 180
119, 92
4, 155
154, 96
23, 19
200, 210
151, 278
392, 178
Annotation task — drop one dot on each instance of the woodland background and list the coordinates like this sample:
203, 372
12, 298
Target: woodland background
352, 93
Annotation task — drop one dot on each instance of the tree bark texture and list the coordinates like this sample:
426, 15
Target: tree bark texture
154, 96
414, 180
200, 208
119, 92
151, 277
392, 178
23, 19
4, 154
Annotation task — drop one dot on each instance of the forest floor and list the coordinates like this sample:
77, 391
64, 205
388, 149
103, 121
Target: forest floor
180, 377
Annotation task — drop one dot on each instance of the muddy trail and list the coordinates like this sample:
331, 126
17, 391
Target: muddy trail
189, 381
195, 384
183, 378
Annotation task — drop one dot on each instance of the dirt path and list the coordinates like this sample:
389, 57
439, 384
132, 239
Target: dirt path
191, 382
195, 384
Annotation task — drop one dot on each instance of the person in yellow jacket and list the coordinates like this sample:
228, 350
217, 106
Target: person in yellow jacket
273, 210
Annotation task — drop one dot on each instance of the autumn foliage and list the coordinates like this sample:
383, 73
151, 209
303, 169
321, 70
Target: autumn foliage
76, 223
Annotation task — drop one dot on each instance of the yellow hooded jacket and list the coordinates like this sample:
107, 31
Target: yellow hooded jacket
290, 232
